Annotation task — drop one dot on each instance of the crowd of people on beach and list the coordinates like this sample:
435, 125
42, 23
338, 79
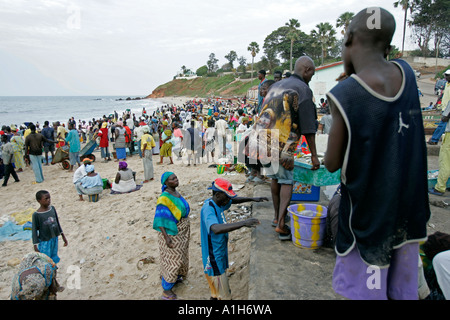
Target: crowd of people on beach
122, 136
381, 212
182, 134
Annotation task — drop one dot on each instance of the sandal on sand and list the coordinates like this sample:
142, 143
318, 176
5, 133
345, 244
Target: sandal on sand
171, 296
285, 229
284, 237
435, 192
284, 234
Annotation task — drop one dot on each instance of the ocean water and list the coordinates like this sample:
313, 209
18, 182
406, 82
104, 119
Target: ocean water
17, 110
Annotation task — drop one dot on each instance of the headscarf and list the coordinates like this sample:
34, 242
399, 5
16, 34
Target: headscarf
123, 165
104, 124
164, 178
89, 168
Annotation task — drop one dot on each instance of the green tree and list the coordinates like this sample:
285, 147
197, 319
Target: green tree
441, 29
293, 34
231, 57
242, 64
277, 44
344, 21
325, 37
271, 60
212, 63
253, 47
430, 20
405, 4
203, 70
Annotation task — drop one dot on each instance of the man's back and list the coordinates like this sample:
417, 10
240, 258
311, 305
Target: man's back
307, 111
48, 133
73, 139
385, 146
34, 142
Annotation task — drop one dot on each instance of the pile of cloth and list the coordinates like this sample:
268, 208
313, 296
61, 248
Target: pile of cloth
16, 226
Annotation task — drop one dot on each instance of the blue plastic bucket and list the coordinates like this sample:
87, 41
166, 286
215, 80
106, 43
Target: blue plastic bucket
308, 231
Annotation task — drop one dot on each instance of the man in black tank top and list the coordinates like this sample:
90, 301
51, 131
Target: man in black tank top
377, 140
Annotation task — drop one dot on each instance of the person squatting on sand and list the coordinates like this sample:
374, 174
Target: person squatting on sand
36, 278
90, 184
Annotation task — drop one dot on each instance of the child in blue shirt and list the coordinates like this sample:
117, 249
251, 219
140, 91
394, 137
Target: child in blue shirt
214, 235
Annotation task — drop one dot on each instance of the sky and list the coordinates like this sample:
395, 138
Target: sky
112, 47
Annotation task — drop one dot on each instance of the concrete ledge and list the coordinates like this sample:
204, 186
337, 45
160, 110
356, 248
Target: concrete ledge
279, 270
433, 150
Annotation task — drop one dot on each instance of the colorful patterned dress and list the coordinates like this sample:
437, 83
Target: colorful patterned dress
172, 214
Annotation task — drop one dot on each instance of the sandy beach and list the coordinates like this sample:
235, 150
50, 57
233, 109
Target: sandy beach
111, 242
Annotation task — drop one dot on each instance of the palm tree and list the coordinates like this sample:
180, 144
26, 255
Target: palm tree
325, 35
405, 6
344, 21
253, 47
293, 35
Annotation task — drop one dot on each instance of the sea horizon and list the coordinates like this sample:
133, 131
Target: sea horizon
16, 110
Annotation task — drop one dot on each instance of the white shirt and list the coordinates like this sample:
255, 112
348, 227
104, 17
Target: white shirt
221, 126
139, 132
209, 134
79, 173
242, 128
130, 123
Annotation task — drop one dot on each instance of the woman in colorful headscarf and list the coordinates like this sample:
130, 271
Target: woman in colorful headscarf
172, 223
120, 143
166, 148
124, 181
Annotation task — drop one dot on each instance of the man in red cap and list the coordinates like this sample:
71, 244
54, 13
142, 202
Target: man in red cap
214, 235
